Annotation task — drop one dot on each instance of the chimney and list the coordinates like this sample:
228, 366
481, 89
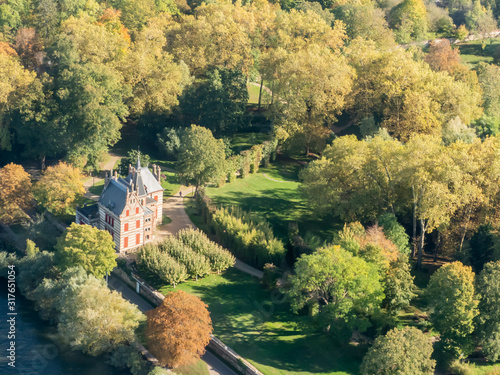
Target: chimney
116, 175
130, 168
106, 180
158, 176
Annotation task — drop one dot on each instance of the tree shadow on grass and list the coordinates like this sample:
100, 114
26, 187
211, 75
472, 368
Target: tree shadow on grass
276, 206
260, 326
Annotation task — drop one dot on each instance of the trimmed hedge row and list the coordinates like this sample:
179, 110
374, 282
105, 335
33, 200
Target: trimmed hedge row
188, 254
249, 161
247, 235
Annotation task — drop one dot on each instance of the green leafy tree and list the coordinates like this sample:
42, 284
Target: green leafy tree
406, 94
15, 93
489, 79
451, 296
395, 232
414, 13
156, 80
201, 157
482, 247
479, 19
367, 21
398, 285
88, 247
218, 103
488, 285
338, 285
169, 141
96, 320
86, 56
33, 269
404, 351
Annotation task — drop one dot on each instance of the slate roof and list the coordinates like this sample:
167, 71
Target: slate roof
144, 180
90, 211
114, 196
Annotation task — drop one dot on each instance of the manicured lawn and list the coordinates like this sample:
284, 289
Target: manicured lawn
274, 192
197, 368
267, 333
171, 183
97, 188
253, 95
472, 52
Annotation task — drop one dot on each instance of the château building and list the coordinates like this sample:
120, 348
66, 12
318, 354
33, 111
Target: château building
129, 208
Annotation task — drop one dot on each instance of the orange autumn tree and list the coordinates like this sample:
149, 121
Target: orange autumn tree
179, 330
15, 193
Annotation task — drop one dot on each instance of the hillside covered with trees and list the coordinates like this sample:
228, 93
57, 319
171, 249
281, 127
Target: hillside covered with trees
347, 150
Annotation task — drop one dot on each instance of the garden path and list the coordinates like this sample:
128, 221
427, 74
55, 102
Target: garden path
272, 179
174, 208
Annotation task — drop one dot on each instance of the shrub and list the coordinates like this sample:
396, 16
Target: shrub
219, 259
162, 265
197, 265
245, 163
248, 236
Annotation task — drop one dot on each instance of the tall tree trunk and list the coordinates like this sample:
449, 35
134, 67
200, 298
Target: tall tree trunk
421, 243
469, 209
42, 162
438, 242
413, 249
272, 94
260, 91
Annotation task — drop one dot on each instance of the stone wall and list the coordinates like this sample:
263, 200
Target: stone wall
215, 345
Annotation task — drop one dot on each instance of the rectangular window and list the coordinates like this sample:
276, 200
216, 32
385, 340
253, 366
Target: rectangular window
156, 198
137, 210
125, 242
126, 227
128, 213
137, 238
138, 224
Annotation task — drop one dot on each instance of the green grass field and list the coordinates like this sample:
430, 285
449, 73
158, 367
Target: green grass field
274, 193
97, 187
472, 52
260, 327
253, 95
171, 183
197, 368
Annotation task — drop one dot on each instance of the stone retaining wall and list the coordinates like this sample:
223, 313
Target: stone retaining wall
215, 345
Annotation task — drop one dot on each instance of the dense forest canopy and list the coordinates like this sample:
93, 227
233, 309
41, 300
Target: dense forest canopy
73, 72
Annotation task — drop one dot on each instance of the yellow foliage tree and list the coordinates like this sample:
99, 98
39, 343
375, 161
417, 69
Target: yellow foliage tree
179, 330
60, 188
15, 193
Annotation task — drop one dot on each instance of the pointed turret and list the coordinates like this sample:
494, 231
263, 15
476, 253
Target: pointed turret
138, 167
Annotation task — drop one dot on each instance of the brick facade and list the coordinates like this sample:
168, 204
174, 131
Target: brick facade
129, 209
